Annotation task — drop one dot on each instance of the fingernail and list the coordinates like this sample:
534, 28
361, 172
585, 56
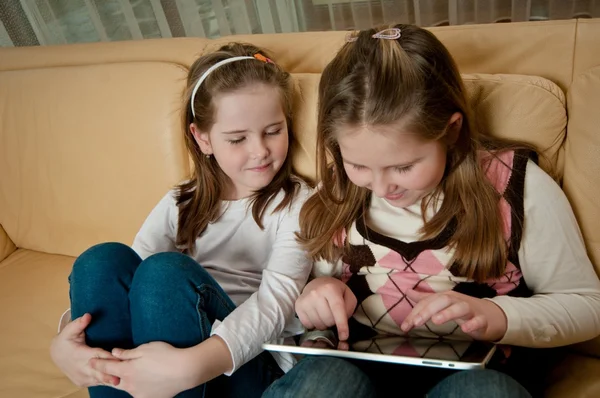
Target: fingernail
116, 352
405, 326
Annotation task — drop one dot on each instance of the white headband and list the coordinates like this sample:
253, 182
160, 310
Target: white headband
208, 71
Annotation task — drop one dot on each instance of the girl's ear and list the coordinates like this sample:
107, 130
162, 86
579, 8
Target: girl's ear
453, 128
202, 139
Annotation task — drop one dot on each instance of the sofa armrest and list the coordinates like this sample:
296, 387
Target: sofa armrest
6, 245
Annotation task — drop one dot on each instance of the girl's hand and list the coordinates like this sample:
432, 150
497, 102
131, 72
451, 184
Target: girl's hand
70, 353
325, 302
153, 370
480, 319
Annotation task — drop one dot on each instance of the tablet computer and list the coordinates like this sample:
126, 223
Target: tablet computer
419, 351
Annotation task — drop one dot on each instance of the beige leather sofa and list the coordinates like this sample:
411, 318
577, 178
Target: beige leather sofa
90, 140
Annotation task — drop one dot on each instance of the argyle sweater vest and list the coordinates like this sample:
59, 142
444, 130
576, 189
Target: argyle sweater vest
380, 269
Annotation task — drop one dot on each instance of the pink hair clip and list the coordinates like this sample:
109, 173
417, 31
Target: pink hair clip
388, 34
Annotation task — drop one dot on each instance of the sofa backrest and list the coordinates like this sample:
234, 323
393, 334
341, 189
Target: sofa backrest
90, 139
90, 135
582, 155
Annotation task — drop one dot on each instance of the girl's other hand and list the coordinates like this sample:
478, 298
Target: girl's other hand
479, 318
70, 353
153, 370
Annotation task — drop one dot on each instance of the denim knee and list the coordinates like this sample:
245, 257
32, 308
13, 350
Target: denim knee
479, 383
162, 272
103, 262
167, 268
320, 376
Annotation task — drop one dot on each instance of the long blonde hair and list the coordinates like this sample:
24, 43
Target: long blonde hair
413, 78
199, 198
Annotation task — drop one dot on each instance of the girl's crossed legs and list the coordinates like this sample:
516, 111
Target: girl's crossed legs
167, 297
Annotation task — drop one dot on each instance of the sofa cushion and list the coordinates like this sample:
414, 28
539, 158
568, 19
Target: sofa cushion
527, 108
87, 151
33, 294
6, 245
305, 123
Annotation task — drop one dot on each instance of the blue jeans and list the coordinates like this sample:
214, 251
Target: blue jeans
322, 377
167, 297
328, 377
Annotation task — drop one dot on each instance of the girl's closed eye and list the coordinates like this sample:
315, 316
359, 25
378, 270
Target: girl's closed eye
358, 167
404, 169
274, 132
236, 141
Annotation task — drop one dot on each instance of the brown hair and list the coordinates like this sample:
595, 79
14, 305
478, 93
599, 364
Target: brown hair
199, 198
373, 82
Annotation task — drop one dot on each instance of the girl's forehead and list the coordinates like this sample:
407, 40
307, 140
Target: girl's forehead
238, 101
244, 92
396, 134
247, 110
371, 145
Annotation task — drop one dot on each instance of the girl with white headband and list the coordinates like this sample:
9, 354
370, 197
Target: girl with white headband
215, 269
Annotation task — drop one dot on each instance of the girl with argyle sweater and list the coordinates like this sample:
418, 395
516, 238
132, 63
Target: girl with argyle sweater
425, 226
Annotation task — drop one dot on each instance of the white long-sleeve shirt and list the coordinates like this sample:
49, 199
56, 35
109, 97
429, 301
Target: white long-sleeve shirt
262, 271
565, 306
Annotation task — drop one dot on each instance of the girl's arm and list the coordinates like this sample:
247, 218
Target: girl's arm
265, 314
565, 306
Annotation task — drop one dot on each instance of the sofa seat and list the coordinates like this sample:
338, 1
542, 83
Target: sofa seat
31, 280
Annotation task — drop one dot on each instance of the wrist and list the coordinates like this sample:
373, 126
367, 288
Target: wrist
498, 322
207, 360
190, 366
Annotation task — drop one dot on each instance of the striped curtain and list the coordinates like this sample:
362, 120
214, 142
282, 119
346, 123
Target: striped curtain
45, 22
